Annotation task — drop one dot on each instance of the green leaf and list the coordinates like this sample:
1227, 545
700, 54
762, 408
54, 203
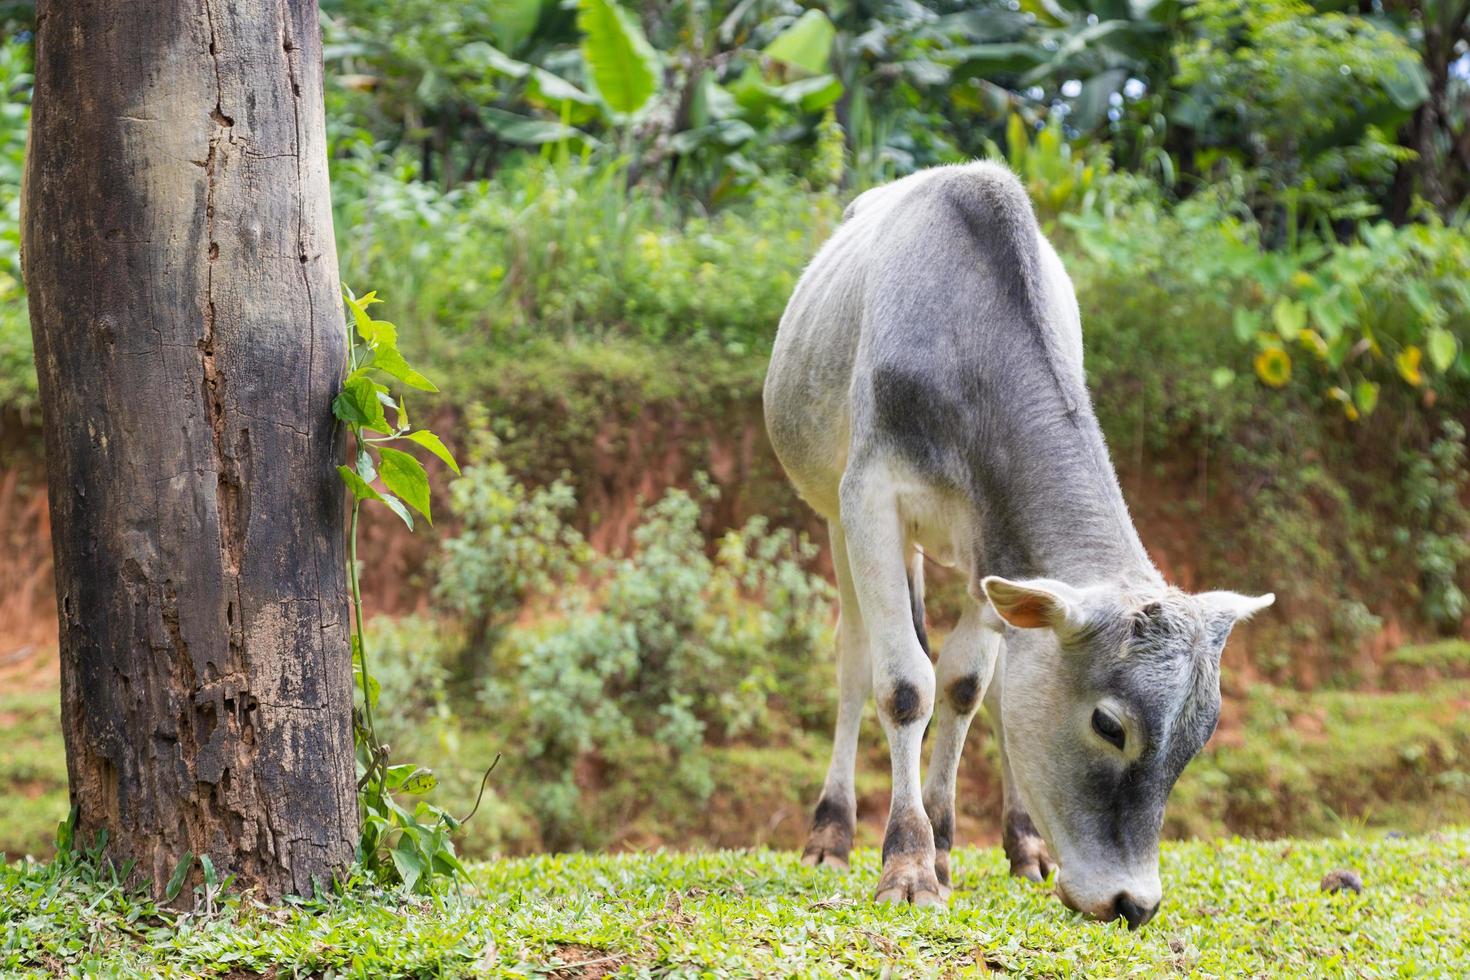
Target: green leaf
379, 332
524, 131
411, 779
420, 782
176, 880
1246, 323
1442, 348
357, 404
408, 861
806, 44
357, 484
810, 94
512, 22
395, 776
1330, 312
1365, 395
396, 506
210, 877
1090, 107
986, 60
1423, 301
365, 467
621, 64
1406, 84
435, 445
405, 476
1222, 377
389, 361
1290, 318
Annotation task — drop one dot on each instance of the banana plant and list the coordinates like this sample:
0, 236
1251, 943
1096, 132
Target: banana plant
621, 76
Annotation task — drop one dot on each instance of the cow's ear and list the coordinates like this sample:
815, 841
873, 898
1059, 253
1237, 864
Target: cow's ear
1234, 605
1038, 603
1225, 609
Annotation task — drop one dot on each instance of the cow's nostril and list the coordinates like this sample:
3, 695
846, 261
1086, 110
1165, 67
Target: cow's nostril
1133, 913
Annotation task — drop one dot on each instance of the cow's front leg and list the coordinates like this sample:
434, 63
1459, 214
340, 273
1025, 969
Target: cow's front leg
1024, 847
966, 663
905, 688
903, 681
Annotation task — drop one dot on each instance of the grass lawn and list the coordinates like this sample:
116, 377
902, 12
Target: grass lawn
1231, 908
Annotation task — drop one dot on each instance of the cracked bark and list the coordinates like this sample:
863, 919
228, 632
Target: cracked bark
183, 293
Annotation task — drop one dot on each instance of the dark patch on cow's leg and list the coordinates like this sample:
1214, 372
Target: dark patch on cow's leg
908, 861
1024, 847
905, 706
964, 694
830, 841
941, 818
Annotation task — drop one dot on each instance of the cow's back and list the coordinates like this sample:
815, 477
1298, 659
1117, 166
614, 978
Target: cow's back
925, 277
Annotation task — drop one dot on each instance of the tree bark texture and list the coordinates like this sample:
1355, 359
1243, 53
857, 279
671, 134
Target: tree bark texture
188, 333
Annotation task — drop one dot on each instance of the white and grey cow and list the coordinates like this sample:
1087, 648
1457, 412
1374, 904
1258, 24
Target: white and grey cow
926, 396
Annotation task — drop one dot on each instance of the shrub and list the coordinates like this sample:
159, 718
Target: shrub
513, 543
675, 650
567, 250
1386, 306
1438, 526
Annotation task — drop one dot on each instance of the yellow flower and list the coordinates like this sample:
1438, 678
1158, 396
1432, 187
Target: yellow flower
1273, 366
1407, 361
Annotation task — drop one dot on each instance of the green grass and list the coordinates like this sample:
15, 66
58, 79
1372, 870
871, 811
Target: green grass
1446, 655
1231, 908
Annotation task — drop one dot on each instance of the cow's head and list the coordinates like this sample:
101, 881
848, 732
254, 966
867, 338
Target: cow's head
1107, 695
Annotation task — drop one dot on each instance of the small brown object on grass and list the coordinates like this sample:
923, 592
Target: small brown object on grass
1343, 879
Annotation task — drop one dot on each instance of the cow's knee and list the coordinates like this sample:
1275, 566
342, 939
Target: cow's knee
907, 699
963, 694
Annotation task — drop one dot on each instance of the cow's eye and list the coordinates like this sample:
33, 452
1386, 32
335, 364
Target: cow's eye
1108, 727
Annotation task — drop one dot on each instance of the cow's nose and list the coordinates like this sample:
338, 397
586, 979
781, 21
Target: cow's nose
1132, 912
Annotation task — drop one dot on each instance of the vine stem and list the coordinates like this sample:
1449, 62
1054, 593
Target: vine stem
374, 759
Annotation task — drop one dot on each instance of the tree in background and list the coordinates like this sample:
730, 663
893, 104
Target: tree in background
184, 299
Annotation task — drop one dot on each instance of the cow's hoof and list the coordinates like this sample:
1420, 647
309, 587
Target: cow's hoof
1034, 868
1027, 851
830, 841
824, 859
942, 874
912, 880
828, 847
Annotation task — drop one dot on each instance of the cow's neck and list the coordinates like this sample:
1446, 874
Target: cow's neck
1051, 507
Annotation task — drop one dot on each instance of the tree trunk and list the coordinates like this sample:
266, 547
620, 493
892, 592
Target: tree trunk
188, 332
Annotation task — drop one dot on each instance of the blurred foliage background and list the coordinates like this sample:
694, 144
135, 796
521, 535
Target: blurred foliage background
586, 216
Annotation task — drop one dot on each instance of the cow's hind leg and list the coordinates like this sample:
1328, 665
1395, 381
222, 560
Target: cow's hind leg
832, 826
1023, 845
903, 679
966, 663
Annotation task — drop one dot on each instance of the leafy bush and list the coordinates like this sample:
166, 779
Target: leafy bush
674, 650
1438, 528
513, 543
564, 250
1306, 101
1386, 305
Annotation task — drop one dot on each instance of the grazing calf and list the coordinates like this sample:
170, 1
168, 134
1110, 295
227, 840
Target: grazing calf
926, 396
